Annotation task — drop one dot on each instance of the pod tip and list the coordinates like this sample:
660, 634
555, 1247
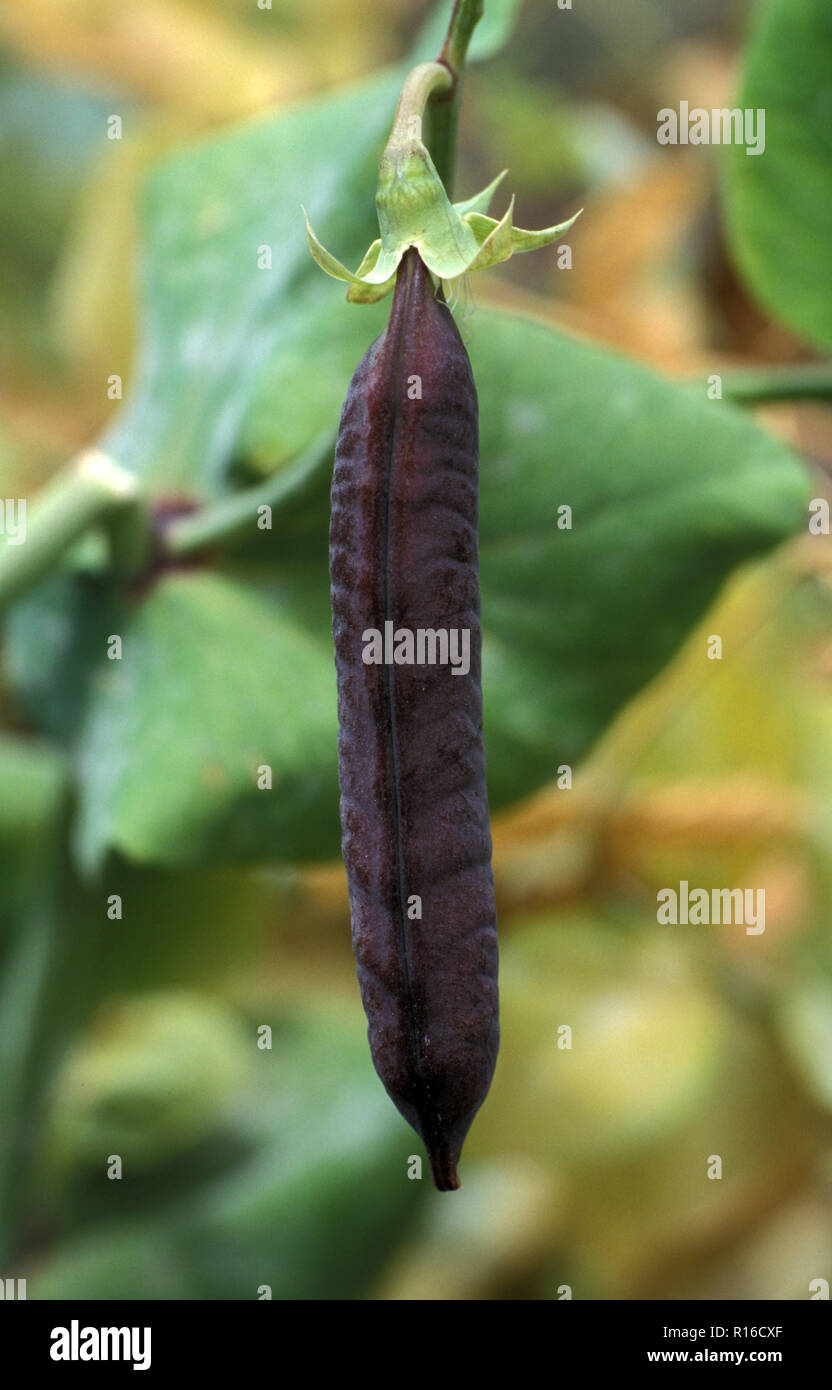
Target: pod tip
443, 1169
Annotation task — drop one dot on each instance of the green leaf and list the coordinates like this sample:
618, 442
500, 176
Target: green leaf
669, 491
213, 685
62, 626
333, 336
779, 203
162, 947
212, 316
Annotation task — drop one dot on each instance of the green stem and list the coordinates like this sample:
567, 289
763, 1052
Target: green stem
236, 516
464, 19
442, 114
420, 83
93, 491
24, 1045
757, 385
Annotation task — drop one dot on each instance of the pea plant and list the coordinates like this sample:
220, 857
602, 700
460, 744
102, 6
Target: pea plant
522, 529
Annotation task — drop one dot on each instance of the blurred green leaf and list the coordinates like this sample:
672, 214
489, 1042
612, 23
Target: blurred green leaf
32, 787
50, 131
313, 1211
212, 315
213, 685
151, 1074
291, 402
647, 1042
668, 493
174, 929
779, 203
643, 1214
506, 1215
54, 639
804, 1016
50, 128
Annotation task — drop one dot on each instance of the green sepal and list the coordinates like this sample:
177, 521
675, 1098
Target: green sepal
414, 210
500, 240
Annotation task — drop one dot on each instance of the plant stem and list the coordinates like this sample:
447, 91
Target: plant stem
804, 382
93, 491
464, 19
421, 82
28, 983
442, 113
236, 516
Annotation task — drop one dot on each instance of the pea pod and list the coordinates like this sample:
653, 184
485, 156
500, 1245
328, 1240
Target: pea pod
414, 809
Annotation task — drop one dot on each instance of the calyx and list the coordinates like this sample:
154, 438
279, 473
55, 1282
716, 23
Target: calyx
452, 239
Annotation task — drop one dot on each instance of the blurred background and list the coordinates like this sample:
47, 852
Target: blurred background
283, 1166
